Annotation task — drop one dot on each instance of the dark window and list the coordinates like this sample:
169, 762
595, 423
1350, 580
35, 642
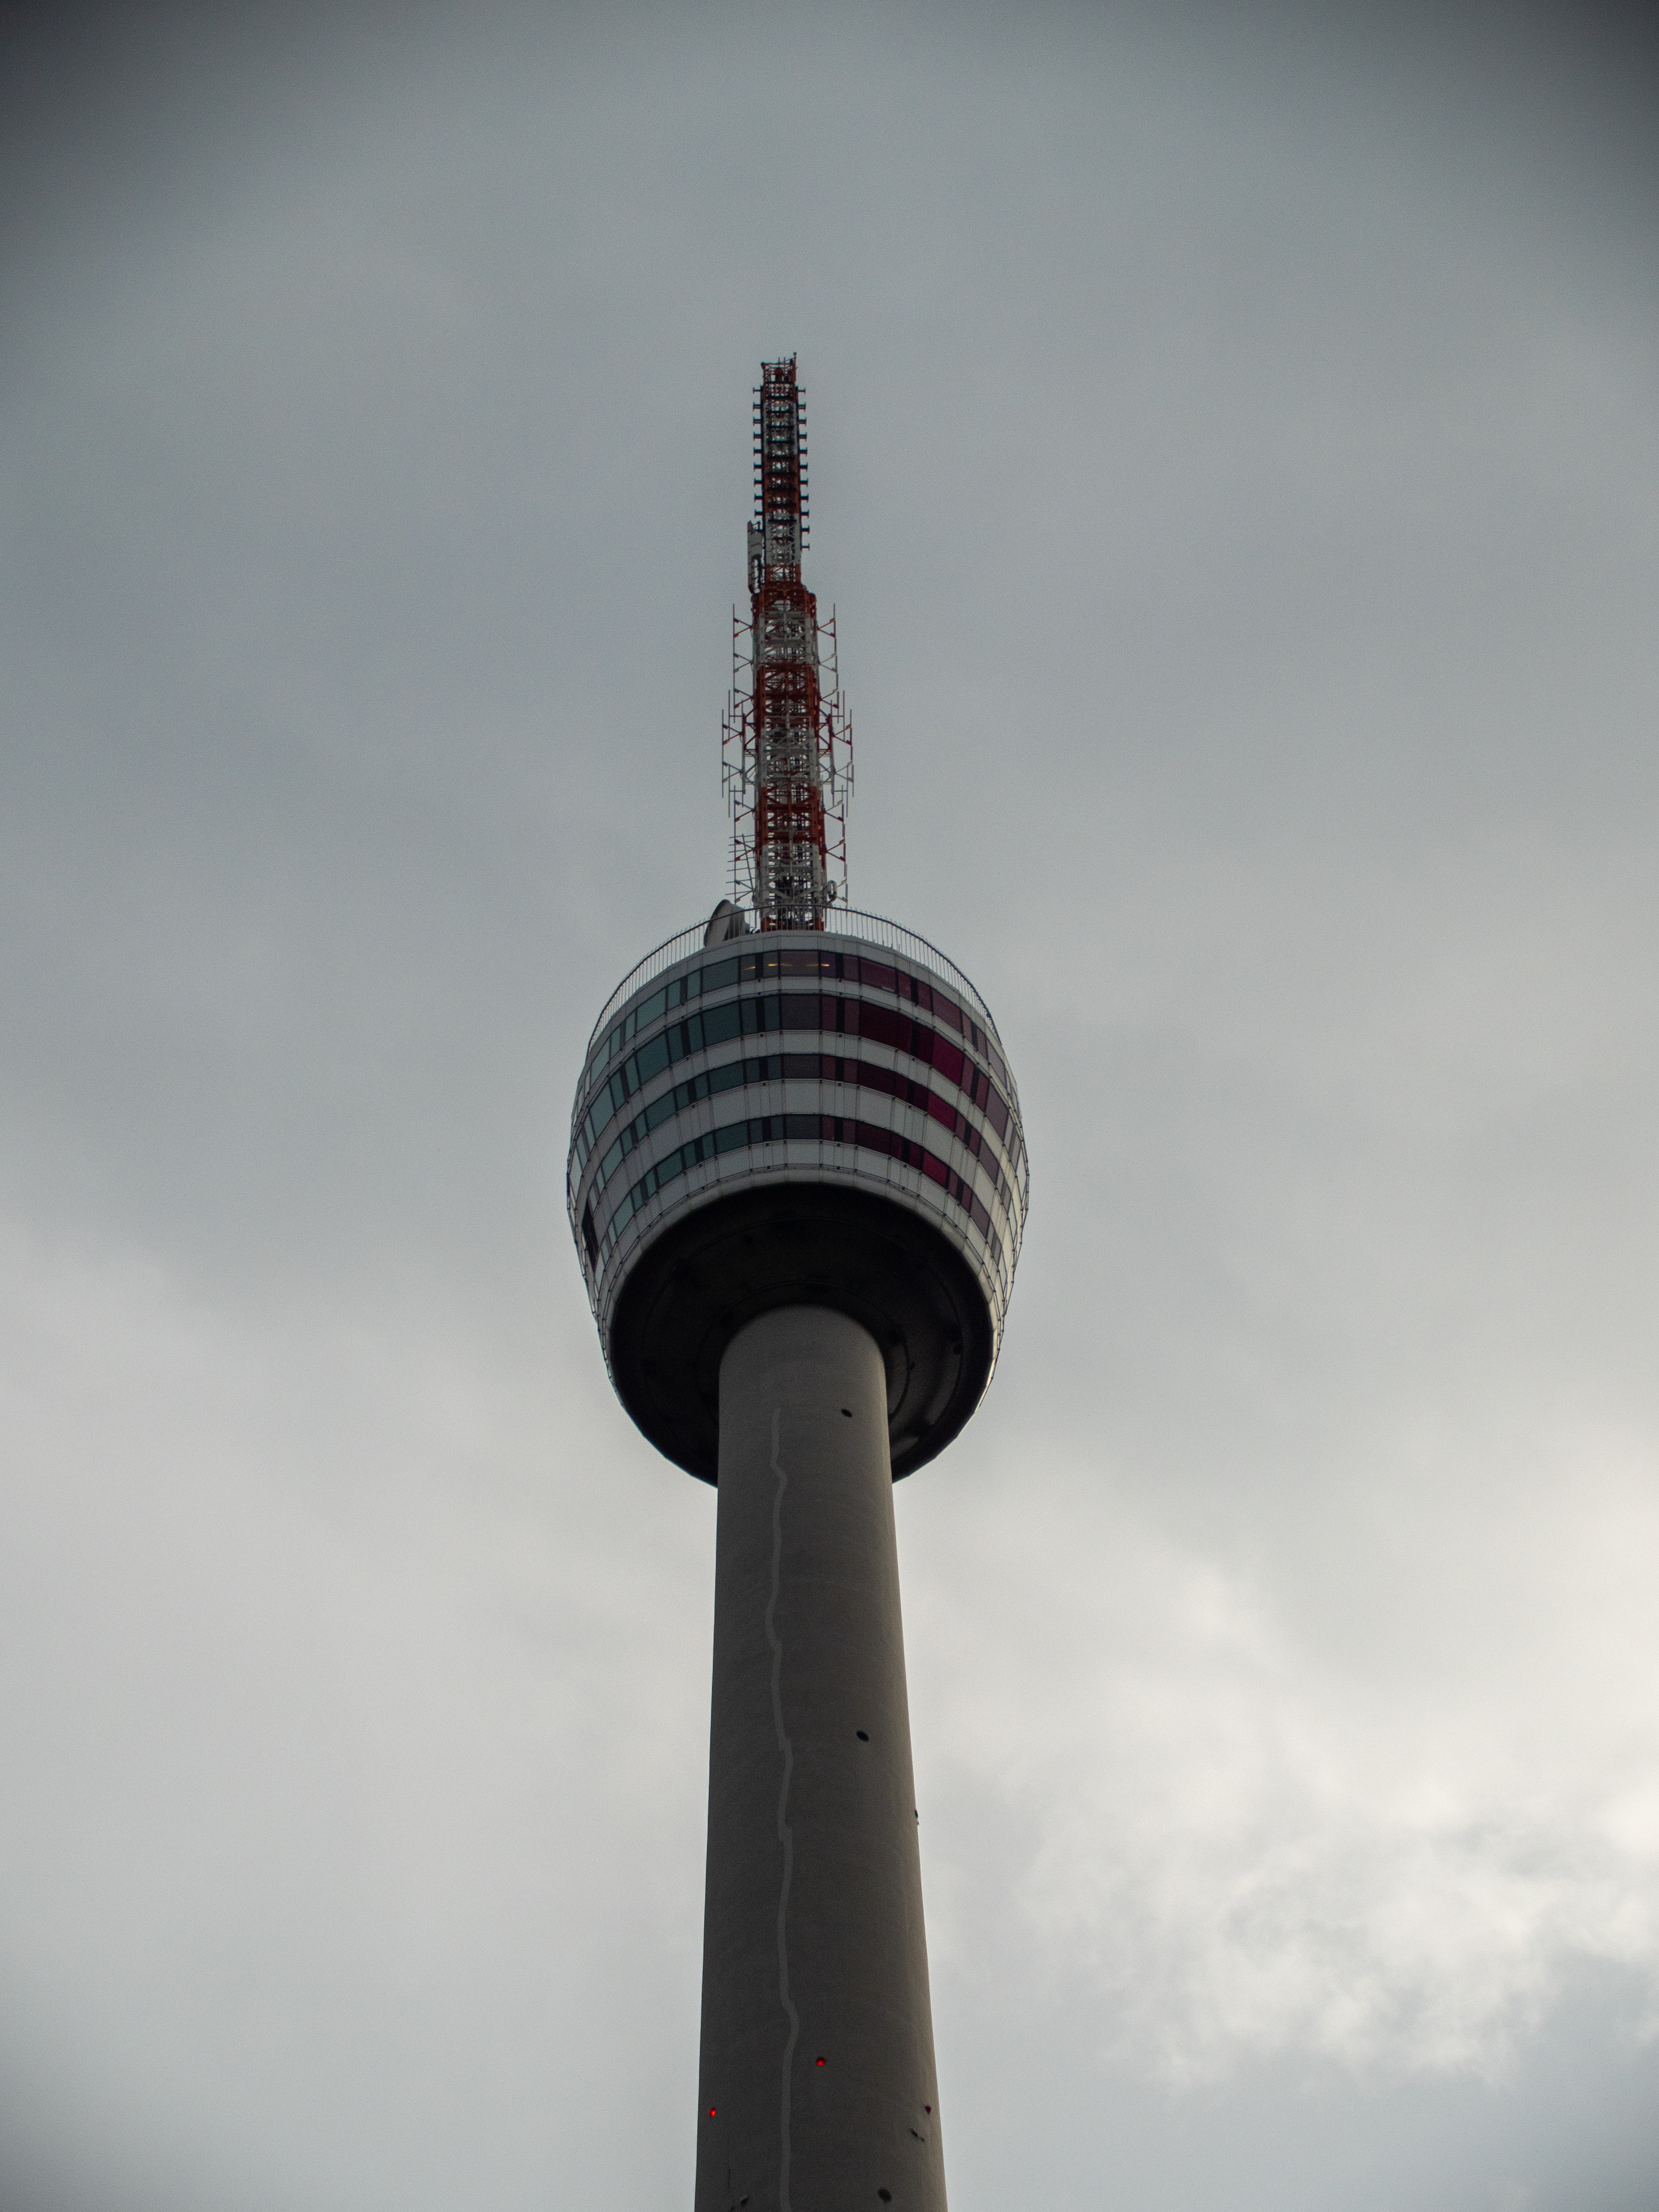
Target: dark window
766, 1128
949, 1060
795, 1010
748, 968
882, 1026
650, 1060
921, 1043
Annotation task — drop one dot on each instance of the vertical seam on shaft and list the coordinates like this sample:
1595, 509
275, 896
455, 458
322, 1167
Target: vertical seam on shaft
786, 1833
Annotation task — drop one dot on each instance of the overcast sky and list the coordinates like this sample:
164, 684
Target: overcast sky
1235, 454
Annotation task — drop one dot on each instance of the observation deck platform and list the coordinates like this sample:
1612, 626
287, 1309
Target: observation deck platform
821, 1117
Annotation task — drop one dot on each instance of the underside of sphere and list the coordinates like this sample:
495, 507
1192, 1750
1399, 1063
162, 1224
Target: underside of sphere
800, 1245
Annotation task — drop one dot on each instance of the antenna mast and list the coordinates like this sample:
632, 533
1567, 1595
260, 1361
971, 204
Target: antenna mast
787, 746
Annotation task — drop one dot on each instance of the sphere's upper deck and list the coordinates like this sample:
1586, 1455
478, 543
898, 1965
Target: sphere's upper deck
777, 1071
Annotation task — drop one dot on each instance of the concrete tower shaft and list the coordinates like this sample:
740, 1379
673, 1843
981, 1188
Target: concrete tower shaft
816, 2085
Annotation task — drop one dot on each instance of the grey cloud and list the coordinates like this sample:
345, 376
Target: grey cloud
1234, 459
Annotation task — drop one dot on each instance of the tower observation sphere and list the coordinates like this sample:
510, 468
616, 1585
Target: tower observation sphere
797, 1186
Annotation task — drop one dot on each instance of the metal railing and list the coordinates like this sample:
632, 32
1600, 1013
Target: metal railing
848, 921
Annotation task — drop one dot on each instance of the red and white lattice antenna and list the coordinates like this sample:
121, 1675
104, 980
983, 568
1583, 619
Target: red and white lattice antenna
788, 744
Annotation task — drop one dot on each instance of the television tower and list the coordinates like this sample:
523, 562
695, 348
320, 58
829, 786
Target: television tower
797, 1186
